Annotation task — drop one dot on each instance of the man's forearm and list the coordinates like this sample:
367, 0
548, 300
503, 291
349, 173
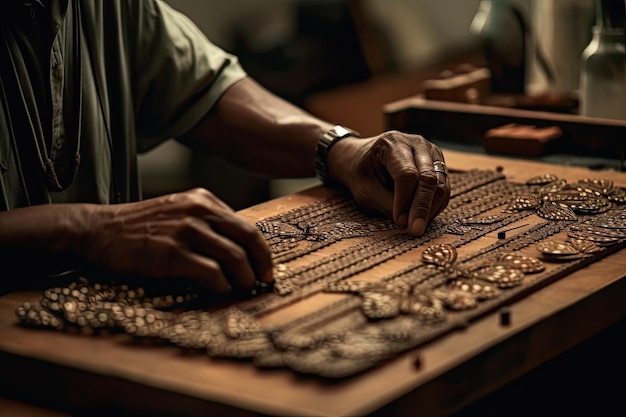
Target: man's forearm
260, 132
36, 241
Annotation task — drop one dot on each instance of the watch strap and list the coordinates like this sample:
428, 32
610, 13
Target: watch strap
326, 142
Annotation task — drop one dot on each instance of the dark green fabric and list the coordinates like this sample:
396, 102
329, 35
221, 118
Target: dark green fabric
96, 76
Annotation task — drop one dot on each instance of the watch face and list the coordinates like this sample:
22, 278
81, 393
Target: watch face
341, 131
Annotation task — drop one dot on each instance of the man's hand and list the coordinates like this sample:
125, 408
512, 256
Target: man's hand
191, 235
397, 174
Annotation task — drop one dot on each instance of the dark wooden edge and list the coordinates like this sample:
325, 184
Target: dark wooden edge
468, 123
522, 353
82, 393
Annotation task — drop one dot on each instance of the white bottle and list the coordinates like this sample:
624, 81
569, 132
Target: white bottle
501, 28
603, 64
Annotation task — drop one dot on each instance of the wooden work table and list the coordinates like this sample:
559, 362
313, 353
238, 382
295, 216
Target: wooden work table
111, 373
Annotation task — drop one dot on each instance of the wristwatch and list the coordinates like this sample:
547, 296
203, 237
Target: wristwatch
326, 142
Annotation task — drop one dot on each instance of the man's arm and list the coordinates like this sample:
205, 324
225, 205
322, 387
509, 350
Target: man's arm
191, 236
195, 236
36, 241
260, 132
392, 173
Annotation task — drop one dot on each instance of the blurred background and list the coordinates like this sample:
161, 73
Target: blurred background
340, 59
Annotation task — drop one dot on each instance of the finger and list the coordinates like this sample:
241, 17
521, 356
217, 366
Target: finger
202, 203
200, 237
247, 236
205, 271
405, 178
442, 194
421, 208
377, 199
422, 204
163, 256
440, 201
440, 168
231, 257
395, 183
194, 236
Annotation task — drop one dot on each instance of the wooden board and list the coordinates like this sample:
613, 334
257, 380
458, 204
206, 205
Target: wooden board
112, 371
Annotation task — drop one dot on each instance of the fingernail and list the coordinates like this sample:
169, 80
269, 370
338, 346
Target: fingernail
269, 276
418, 227
403, 220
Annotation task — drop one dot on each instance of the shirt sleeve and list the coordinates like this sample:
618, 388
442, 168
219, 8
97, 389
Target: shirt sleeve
179, 74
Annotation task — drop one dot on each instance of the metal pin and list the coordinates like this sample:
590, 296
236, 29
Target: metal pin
505, 317
417, 363
502, 234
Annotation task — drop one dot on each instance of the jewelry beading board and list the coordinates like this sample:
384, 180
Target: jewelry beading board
353, 290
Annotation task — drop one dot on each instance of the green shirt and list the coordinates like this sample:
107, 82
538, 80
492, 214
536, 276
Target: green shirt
87, 84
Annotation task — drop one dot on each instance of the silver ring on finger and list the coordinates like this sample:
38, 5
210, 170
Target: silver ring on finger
440, 167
